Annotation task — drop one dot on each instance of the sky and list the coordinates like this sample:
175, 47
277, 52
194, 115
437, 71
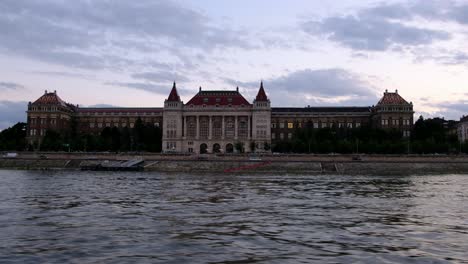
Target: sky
307, 52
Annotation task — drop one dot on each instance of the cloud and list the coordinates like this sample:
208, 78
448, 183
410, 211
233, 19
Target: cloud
11, 113
382, 27
161, 76
10, 86
450, 109
144, 86
315, 87
110, 34
64, 74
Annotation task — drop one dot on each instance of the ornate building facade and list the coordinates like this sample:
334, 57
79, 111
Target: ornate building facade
218, 121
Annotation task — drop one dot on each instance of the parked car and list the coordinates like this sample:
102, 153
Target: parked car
11, 155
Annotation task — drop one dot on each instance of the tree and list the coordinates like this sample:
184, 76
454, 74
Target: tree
13, 138
239, 146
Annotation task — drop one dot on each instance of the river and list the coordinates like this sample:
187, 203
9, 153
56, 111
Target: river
86, 217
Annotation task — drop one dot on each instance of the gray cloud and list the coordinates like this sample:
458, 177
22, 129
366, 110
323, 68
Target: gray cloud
10, 86
383, 27
144, 86
64, 74
93, 34
12, 113
451, 109
161, 76
315, 87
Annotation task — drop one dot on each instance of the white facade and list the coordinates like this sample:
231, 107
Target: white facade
463, 130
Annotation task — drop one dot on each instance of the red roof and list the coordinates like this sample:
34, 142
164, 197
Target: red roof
174, 96
50, 99
120, 110
392, 99
261, 95
222, 98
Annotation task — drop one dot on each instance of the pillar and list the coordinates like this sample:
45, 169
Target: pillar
198, 128
222, 128
210, 128
185, 126
235, 127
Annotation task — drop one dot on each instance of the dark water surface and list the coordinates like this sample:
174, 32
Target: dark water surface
83, 217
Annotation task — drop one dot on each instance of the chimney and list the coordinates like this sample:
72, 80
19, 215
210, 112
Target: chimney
386, 91
45, 92
237, 89
55, 91
199, 89
396, 91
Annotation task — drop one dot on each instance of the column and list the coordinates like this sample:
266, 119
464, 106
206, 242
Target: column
248, 127
235, 127
210, 128
222, 127
185, 126
198, 128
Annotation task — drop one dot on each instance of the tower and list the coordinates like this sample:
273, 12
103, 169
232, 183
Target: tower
261, 121
172, 122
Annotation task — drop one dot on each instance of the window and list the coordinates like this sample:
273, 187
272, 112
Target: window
218, 100
289, 135
132, 125
242, 127
273, 125
406, 122
290, 125
406, 134
217, 127
350, 125
395, 122
99, 125
190, 150
324, 125
384, 122
316, 125
340, 125
358, 125
229, 100
273, 135
91, 125
204, 127
281, 125
205, 100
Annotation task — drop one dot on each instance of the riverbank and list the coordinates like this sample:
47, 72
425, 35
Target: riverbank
277, 164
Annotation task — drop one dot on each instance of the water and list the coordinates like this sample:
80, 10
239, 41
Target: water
83, 217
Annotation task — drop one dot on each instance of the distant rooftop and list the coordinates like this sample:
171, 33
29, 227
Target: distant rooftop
218, 97
353, 109
392, 99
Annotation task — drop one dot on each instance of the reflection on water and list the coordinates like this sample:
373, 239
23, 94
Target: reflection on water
84, 217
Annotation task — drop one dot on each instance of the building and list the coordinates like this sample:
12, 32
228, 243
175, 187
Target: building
463, 129
218, 121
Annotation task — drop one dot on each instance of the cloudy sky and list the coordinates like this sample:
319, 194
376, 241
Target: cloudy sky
307, 52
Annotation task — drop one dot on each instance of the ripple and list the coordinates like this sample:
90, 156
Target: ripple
84, 217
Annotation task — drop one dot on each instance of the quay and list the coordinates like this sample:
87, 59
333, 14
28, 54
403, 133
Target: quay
228, 164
